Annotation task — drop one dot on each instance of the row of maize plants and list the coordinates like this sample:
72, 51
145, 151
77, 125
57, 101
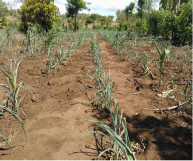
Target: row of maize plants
166, 53
117, 132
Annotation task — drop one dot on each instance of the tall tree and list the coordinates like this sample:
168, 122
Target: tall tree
3, 9
126, 10
120, 14
102, 20
166, 4
73, 7
140, 8
176, 6
150, 5
94, 18
109, 20
88, 21
43, 12
129, 9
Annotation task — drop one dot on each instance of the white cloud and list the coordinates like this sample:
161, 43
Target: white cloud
107, 4
104, 7
12, 4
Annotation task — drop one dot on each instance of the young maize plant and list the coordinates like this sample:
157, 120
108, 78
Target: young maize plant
161, 61
4, 108
31, 38
183, 62
186, 85
12, 90
49, 40
1, 47
8, 36
60, 55
7, 141
187, 89
116, 132
49, 61
103, 93
145, 64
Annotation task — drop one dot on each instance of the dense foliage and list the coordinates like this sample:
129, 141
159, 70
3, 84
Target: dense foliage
73, 7
43, 12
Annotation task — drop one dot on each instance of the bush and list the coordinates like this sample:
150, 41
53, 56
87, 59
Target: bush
123, 25
98, 27
108, 28
57, 26
184, 22
79, 24
43, 12
139, 26
3, 22
154, 18
24, 27
167, 24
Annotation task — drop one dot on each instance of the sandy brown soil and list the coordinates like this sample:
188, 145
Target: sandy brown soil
60, 99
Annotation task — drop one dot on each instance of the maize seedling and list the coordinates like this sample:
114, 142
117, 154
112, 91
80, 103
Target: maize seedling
12, 86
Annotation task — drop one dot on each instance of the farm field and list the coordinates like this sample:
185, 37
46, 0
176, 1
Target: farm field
61, 98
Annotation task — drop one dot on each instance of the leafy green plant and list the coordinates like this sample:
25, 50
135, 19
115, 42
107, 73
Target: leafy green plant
103, 93
8, 35
4, 108
49, 39
190, 110
60, 55
12, 86
7, 141
119, 144
49, 61
161, 61
145, 64
2, 47
186, 84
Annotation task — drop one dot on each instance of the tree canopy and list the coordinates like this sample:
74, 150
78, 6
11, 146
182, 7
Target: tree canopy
140, 8
43, 12
73, 7
3, 9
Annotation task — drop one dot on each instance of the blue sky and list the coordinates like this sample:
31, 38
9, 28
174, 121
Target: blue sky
102, 7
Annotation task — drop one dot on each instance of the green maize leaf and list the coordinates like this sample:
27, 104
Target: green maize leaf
1, 136
16, 116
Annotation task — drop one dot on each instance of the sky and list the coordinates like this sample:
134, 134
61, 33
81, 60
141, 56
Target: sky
102, 7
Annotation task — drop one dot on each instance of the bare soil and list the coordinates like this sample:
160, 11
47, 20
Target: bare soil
61, 99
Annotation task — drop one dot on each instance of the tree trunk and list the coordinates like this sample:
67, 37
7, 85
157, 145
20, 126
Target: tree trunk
170, 7
175, 6
178, 6
75, 21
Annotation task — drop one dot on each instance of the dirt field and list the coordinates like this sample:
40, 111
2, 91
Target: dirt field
61, 98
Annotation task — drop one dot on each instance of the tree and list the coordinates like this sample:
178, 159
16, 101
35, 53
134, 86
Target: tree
120, 14
184, 22
176, 6
109, 20
102, 20
127, 12
129, 9
43, 12
140, 8
94, 18
73, 7
3, 9
88, 21
150, 4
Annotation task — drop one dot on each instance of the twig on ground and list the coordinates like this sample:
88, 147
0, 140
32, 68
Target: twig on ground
168, 108
126, 93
